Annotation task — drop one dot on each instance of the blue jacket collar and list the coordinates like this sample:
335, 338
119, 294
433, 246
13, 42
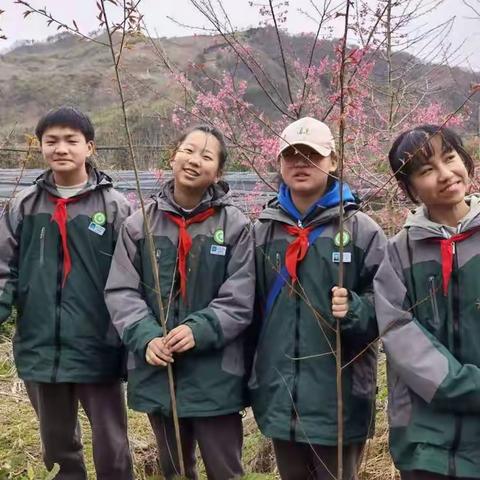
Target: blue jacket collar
328, 200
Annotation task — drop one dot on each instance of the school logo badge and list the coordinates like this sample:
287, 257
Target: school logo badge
219, 236
99, 218
342, 239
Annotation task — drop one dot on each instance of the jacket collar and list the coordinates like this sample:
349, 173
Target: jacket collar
216, 195
421, 227
96, 179
325, 209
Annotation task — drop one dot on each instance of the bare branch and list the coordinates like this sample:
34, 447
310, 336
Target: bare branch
52, 20
280, 46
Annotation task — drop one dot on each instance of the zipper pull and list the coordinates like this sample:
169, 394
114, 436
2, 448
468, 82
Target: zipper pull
42, 246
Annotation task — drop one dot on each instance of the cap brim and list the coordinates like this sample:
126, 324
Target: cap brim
324, 151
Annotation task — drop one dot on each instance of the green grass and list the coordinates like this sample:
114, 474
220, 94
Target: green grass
20, 453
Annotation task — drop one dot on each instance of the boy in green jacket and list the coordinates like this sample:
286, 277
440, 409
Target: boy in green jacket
427, 301
56, 242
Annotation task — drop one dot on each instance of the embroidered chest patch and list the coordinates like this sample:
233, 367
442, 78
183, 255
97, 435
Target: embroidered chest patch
99, 218
219, 236
342, 238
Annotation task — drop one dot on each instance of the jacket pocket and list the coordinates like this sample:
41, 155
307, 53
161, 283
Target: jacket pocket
42, 247
432, 288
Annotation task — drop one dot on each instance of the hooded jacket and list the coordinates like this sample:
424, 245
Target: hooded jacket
293, 382
210, 378
432, 346
63, 332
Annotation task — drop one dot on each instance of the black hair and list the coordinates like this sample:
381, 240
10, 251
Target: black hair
212, 131
66, 116
413, 148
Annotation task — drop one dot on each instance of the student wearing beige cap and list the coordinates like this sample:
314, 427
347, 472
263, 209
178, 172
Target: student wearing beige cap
293, 380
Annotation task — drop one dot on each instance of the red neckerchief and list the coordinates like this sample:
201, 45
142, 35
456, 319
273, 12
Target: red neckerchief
59, 216
297, 250
446, 249
185, 242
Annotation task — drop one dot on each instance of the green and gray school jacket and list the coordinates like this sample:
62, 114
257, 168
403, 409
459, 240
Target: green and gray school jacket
293, 381
432, 342
62, 334
210, 378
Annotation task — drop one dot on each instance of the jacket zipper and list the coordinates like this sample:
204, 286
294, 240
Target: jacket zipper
433, 300
42, 246
278, 262
296, 354
175, 322
58, 313
456, 351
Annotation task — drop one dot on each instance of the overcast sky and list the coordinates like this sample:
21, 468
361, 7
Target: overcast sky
156, 13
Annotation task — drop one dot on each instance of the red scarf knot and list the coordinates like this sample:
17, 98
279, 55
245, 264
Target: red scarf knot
297, 250
185, 242
59, 216
446, 250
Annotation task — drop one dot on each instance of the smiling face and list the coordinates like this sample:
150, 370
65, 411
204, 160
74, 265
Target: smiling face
443, 181
305, 171
66, 151
196, 163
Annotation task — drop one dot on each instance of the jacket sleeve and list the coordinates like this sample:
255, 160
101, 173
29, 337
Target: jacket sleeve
123, 210
230, 313
423, 363
10, 224
131, 316
360, 325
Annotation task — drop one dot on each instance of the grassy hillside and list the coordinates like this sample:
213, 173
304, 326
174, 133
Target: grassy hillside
68, 69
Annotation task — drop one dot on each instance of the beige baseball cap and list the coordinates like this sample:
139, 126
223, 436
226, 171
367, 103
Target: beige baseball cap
308, 131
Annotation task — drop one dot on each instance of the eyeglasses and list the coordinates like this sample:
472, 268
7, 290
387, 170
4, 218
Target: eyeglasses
294, 155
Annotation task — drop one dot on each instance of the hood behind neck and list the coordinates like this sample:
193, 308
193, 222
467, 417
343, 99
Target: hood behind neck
421, 226
96, 179
329, 199
217, 194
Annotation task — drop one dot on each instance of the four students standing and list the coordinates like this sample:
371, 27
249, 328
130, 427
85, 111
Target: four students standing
57, 238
